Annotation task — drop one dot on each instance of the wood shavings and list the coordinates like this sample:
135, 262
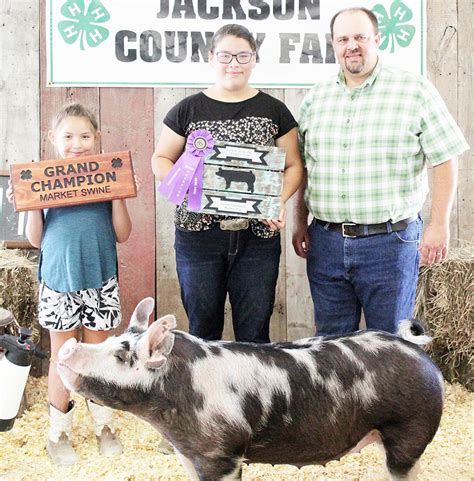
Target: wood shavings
23, 456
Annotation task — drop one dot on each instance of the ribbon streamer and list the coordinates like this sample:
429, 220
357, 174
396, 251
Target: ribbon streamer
186, 175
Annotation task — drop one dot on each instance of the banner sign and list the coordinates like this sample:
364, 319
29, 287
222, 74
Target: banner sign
148, 43
71, 181
243, 180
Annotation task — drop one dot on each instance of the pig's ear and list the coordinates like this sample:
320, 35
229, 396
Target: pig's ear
160, 341
142, 313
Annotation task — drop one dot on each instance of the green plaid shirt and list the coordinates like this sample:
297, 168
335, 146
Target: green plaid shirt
365, 149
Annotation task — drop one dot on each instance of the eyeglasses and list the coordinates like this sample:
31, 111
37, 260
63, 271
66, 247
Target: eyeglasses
360, 39
242, 57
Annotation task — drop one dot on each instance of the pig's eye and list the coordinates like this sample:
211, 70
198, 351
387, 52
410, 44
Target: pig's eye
121, 356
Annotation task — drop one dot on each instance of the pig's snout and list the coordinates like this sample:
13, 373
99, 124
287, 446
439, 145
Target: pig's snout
67, 349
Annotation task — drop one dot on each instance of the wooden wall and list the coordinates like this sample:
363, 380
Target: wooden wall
131, 119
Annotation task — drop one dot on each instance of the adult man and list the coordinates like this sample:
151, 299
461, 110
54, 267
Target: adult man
365, 138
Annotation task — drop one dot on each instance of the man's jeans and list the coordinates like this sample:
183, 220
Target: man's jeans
215, 262
377, 273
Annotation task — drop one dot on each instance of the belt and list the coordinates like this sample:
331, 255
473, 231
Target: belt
350, 229
234, 224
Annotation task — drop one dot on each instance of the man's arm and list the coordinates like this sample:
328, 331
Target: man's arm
435, 242
300, 220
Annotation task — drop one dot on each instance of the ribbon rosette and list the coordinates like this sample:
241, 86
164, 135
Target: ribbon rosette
186, 174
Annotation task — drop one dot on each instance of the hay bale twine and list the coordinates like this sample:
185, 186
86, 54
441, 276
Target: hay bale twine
18, 289
445, 304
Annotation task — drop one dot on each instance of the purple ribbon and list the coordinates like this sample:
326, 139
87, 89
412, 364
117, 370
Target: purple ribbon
186, 175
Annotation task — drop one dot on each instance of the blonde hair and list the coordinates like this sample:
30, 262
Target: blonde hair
73, 110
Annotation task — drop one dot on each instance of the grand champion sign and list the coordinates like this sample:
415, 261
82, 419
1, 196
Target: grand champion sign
166, 42
71, 181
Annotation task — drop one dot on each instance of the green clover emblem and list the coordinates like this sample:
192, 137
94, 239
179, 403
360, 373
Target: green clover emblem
394, 29
117, 163
26, 174
82, 24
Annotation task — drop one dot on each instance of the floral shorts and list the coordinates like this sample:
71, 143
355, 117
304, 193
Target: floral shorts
95, 309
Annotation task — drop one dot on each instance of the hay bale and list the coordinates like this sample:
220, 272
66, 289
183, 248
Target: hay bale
18, 289
445, 304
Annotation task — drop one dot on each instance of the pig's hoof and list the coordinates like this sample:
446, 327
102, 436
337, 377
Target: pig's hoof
62, 453
109, 443
165, 447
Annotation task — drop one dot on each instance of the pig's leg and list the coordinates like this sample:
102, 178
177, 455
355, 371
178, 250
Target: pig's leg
187, 465
412, 475
403, 447
209, 469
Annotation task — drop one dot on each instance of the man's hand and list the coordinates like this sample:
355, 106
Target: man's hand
434, 244
301, 239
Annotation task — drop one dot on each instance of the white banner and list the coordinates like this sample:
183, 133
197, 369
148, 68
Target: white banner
165, 43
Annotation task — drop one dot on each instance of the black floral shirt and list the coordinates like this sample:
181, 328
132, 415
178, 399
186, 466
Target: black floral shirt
259, 120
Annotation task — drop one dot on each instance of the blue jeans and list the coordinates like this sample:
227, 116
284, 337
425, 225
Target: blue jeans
376, 273
214, 262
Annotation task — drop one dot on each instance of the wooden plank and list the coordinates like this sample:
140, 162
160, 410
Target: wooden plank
12, 224
293, 99
72, 181
126, 118
465, 120
442, 67
299, 306
256, 157
243, 180
253, 181
19, 89
278, 330
237, 204
466, 205
167, 286
51, 100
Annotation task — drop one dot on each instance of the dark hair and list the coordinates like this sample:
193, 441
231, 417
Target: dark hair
74, 110
236, 31
368, 12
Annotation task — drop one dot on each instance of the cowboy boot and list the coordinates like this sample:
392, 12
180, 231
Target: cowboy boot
109, 443
59, 445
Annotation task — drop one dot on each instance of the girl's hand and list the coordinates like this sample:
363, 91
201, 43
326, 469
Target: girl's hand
138, 182
10, 192
277, 224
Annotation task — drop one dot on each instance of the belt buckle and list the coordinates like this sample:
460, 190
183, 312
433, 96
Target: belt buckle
234, 224
347, 224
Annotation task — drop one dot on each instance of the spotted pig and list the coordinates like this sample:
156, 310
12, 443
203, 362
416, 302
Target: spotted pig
305, 402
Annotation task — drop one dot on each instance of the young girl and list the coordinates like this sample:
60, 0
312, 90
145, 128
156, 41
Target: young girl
211, 259
78, 280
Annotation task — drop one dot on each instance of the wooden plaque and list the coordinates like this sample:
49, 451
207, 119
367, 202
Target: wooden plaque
72, 181
243, 180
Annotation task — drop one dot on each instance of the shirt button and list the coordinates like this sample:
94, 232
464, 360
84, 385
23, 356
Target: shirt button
344, 145
348, 121
343, 196
343, 170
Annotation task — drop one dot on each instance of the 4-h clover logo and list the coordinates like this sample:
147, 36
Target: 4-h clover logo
394, 29
26, 174
82, 24
117, 162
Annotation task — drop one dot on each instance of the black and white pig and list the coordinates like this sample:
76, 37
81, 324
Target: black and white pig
304, 402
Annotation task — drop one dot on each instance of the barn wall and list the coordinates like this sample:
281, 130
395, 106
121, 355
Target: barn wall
132, 119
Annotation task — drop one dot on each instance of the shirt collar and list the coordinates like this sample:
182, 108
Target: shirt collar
341, 80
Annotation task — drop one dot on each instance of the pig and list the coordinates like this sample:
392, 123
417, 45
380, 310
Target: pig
230, 176
305, 402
